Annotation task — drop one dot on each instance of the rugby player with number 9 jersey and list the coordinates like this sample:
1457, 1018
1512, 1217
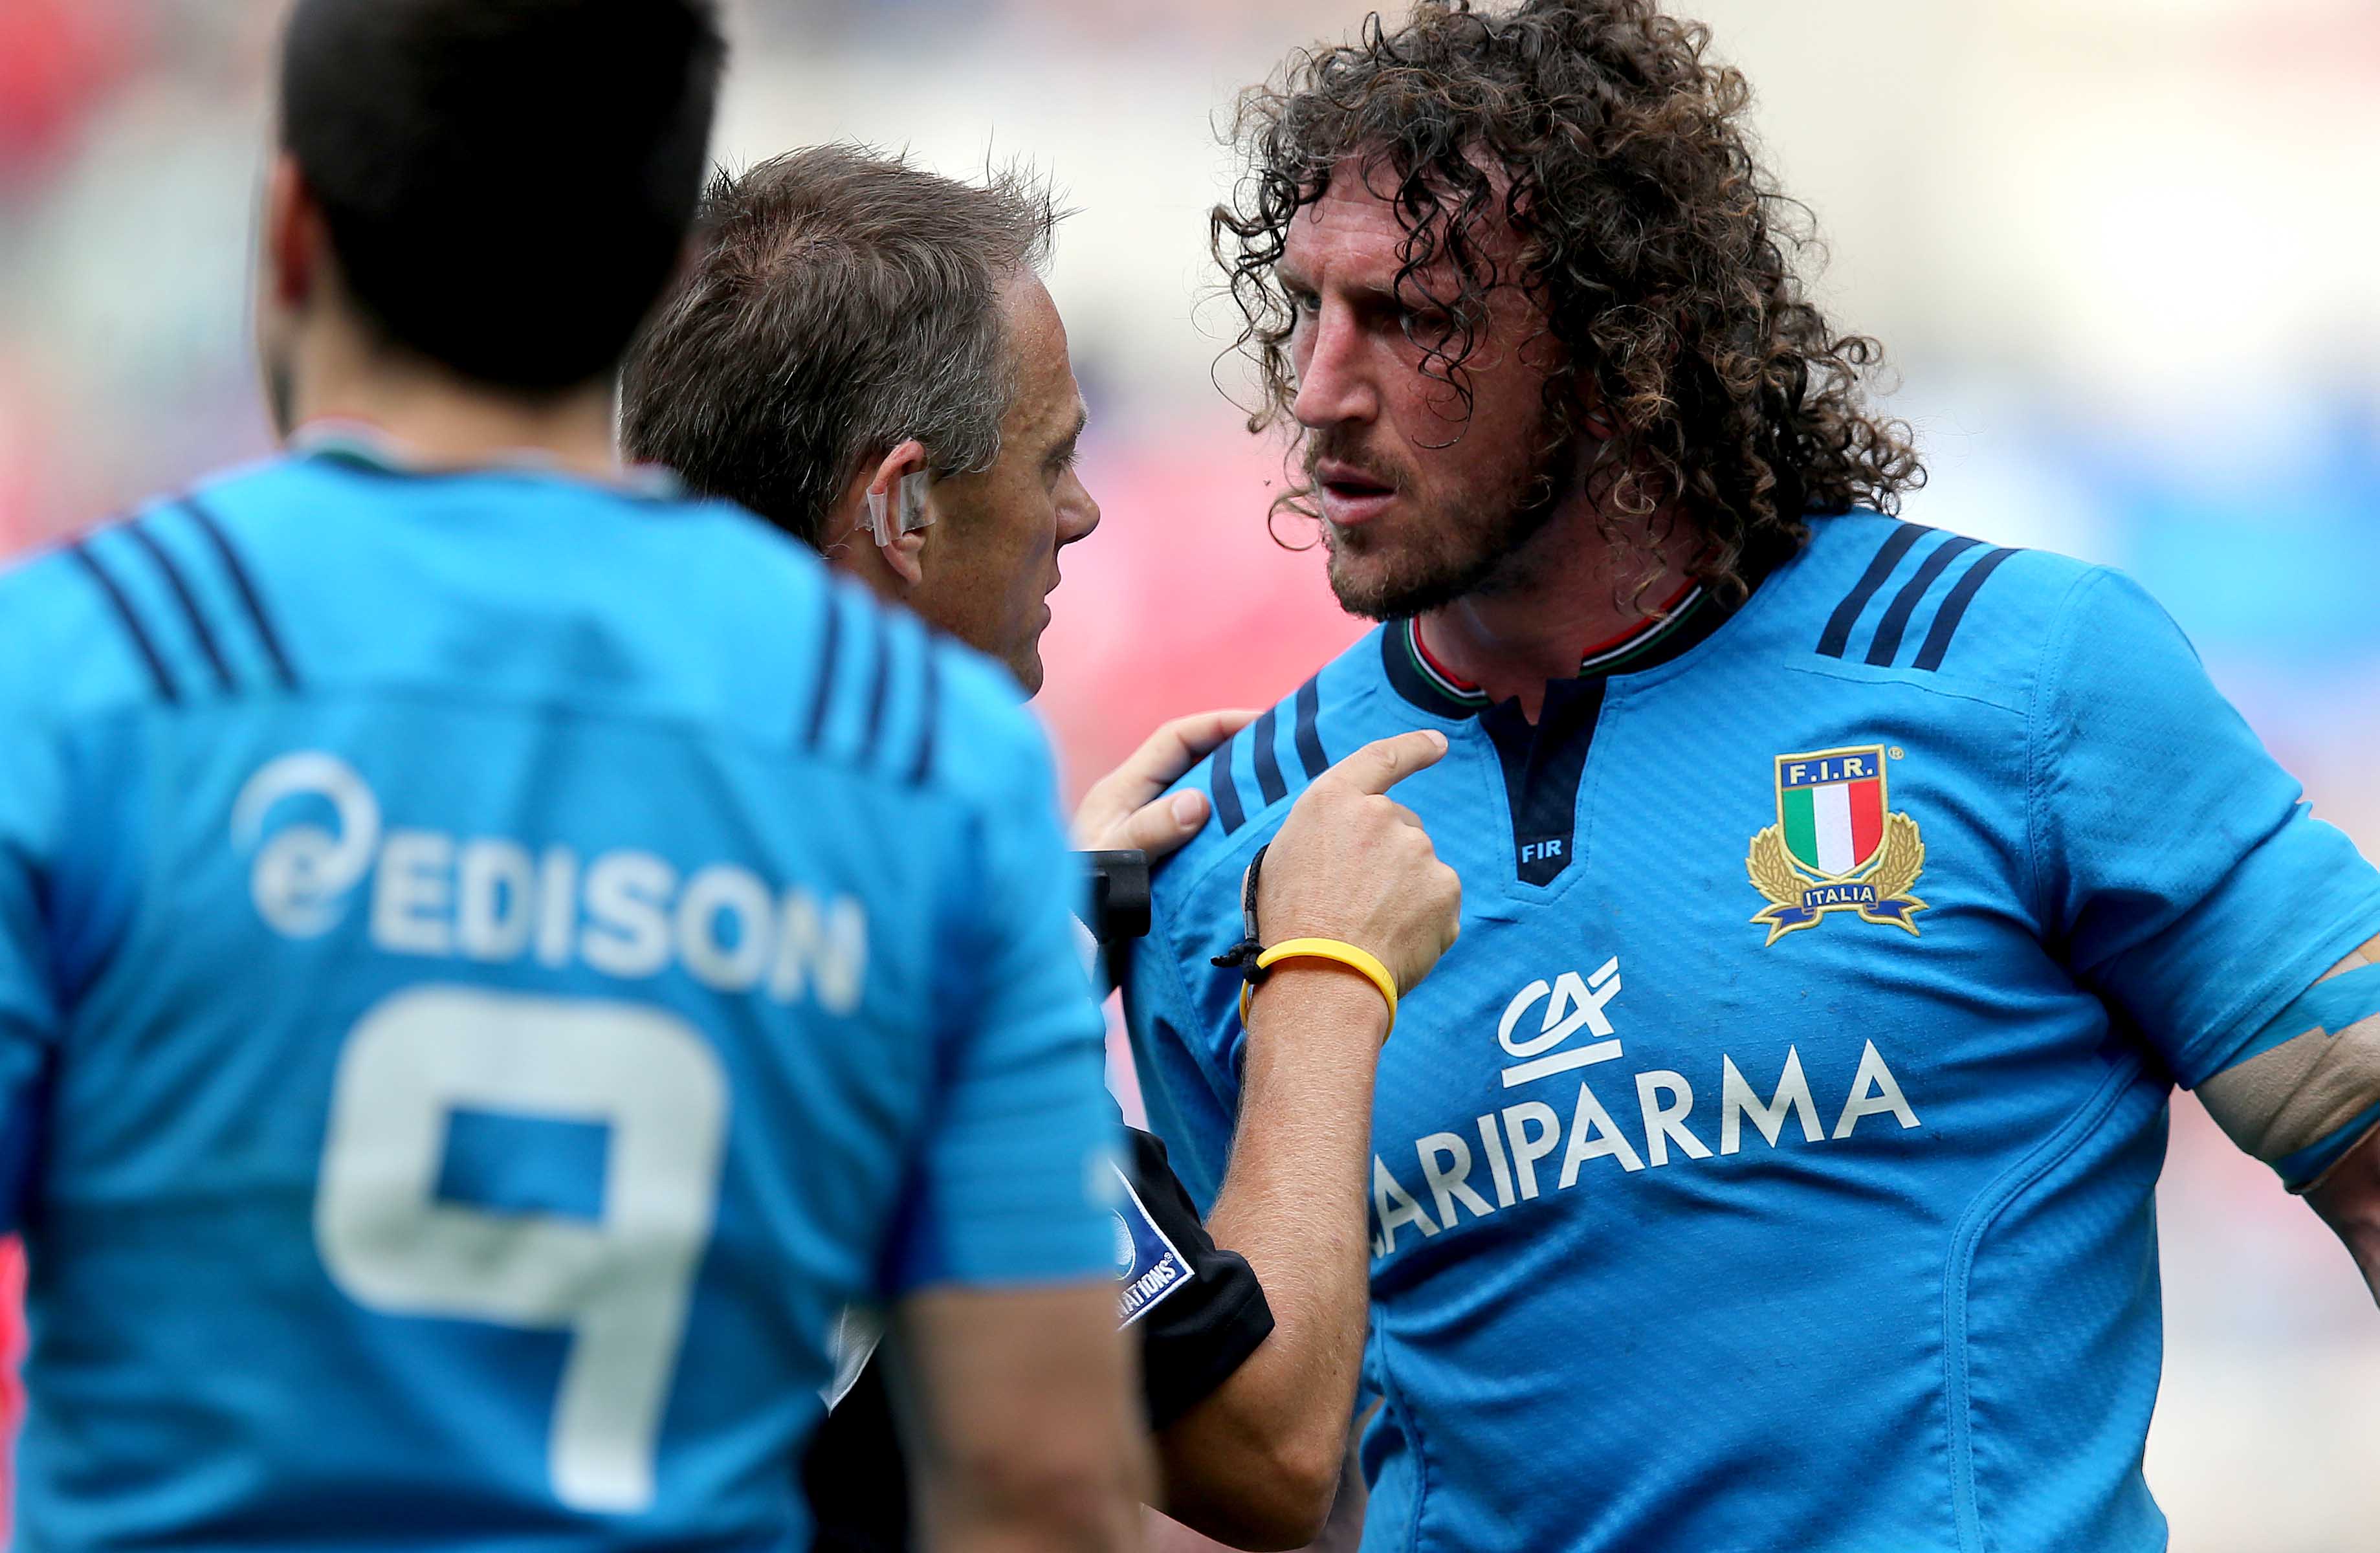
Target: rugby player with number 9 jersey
494, 954
1770, 1163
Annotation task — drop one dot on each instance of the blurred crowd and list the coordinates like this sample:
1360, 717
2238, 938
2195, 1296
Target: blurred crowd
2118, 250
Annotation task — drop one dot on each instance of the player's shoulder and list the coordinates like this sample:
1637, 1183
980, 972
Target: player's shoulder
984, 746
881, 691
1878, 597
122, 616
311, 570
345, 513
329, 568
527, 587
1254, 776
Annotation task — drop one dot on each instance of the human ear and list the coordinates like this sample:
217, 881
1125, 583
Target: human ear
294, 235
291, 243
897, 517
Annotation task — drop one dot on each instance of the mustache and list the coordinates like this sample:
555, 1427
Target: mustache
1332, 447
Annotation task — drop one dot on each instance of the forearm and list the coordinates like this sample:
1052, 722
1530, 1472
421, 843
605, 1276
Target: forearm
1018, 1411
1257, 1463
1075, 1519
2348, 1201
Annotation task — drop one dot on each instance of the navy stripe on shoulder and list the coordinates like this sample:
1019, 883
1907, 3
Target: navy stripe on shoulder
830, 646
1895, 625
930, 696
879, 687
132, 622
1954, 609
1309, 738
1897, 544
1270, 788
180, 588
1225, 791
244, 587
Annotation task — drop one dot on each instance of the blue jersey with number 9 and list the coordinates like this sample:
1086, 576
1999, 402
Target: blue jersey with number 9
490, 963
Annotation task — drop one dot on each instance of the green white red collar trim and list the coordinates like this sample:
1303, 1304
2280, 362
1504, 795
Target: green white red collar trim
1612, 656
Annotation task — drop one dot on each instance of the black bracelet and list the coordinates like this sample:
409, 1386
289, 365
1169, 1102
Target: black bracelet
1241, 956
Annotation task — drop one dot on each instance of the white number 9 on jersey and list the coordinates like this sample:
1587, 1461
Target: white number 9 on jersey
618, 1284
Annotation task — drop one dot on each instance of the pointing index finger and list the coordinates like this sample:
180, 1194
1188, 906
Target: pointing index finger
1383, 763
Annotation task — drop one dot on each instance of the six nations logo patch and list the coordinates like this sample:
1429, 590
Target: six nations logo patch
1835, 845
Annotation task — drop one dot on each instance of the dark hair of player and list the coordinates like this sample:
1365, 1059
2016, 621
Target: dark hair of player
845, 302
507, 183
1660, 249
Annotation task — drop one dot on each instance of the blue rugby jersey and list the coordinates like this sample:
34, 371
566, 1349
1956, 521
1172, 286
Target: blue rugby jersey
489, 964
1770, 1163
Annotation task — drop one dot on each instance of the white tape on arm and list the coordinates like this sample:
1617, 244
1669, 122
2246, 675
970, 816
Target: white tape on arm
2309, 1089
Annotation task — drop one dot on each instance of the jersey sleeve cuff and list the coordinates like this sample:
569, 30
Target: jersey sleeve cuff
1235, 1327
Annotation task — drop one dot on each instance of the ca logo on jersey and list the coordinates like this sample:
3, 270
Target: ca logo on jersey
1571, 1005
1835, 846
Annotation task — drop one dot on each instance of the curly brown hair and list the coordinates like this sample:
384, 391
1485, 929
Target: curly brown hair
1658, 251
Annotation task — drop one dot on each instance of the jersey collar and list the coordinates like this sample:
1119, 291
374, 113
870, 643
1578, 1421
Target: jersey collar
358, 444
1422, 680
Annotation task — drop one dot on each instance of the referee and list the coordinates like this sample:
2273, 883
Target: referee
863, 355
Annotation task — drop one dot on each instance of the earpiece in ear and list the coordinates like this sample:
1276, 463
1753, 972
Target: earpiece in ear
910, 497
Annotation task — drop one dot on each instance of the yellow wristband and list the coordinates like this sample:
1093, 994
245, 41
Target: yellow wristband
1347, 954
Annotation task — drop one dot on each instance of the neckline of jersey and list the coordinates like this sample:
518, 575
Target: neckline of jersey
1686, 623
357, 445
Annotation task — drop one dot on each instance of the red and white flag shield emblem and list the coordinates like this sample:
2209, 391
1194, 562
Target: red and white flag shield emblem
1830, 806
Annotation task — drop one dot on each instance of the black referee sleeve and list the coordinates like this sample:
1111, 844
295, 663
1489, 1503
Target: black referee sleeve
1200, 1328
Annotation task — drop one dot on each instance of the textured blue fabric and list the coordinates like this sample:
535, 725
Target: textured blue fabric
2347, 999
524, 1164
654, 857
1703, 1222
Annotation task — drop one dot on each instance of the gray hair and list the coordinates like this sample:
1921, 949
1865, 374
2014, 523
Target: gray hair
844, 302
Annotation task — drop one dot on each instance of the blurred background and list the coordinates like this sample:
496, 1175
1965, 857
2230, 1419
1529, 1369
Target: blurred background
2121, 251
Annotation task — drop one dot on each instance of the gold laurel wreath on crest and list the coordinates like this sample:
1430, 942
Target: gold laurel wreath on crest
1899, 861
1772, 870
1900, 858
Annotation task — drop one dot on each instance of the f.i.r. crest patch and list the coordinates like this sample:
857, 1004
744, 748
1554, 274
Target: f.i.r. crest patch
1835, 846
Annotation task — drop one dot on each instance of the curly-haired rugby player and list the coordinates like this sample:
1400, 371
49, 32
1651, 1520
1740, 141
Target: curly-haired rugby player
1771, 1161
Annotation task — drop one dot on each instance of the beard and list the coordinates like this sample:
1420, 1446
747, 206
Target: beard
1438, 550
